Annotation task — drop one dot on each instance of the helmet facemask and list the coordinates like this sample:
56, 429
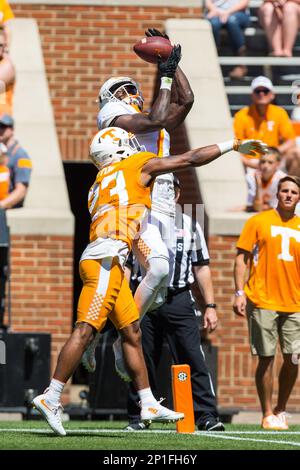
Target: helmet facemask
121, 89
130, 95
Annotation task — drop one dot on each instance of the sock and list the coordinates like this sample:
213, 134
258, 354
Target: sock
55, 390
146, 397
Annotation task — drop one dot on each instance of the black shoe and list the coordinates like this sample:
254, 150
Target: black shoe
212, 425
137, 426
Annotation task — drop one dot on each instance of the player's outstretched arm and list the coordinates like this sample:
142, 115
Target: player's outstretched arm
199, 157
158, 116
182, 104
182, 96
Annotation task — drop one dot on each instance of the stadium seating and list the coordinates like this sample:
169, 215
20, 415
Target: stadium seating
283, 71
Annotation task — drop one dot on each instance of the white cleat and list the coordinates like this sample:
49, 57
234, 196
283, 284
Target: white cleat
51, 413
283, 419
88, 359
160, 414
119, 361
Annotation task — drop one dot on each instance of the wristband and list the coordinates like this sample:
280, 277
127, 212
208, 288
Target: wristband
229, 145
239, 293
226, 146
166, 83
211, 306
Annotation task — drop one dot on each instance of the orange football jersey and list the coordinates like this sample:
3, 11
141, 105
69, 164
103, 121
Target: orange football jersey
118, 201
274, 281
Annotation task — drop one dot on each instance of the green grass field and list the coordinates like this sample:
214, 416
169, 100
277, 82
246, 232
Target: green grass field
105, 435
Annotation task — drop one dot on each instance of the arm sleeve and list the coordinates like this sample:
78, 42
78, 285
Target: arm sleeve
200, 255
22, 168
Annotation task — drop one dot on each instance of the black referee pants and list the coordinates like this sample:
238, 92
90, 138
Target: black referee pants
176, 321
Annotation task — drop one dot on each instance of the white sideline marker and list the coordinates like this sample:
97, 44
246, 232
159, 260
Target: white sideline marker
215, 435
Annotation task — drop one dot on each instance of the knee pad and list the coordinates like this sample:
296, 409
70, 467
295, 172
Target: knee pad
158, 269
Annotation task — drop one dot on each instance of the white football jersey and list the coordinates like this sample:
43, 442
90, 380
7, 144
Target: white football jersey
158, 142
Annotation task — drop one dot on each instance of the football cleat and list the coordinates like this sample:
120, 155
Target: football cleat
273, 423
212, 424
119, 361
283, 419
137, 426
159, 414
52, 413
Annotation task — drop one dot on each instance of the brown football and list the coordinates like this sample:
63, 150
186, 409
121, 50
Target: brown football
150, 48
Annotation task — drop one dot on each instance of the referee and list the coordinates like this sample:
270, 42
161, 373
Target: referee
176, 321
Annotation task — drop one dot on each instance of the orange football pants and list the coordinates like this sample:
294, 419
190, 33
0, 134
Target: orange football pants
105, 294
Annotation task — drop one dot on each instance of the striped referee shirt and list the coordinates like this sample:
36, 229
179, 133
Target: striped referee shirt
191, 250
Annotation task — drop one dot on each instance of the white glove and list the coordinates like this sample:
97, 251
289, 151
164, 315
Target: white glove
250, 147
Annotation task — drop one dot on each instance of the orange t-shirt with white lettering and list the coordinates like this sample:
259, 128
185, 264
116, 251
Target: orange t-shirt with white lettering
274, 128
274, 281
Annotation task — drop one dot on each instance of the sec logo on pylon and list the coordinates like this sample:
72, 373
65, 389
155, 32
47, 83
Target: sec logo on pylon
182, 376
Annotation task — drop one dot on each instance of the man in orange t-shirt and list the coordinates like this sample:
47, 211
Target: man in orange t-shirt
267, 122
270, 241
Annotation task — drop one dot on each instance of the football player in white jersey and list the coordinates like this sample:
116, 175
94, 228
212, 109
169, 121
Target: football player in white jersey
121, 105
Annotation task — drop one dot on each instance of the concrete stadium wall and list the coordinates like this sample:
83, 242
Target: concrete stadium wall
42, 231
82, 46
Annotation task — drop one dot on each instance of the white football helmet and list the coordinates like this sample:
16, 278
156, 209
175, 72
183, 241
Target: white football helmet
132, 92
113, 144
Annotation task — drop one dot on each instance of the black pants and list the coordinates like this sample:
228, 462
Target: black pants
176, 321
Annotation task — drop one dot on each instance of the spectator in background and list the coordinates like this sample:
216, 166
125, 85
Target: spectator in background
295, 116
269, 123
280, 20
7, 78
234, 16
19, 165
4, 173
262, 185
6, 15
271, 296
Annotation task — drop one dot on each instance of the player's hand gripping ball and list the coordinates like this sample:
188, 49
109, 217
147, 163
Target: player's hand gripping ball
153, 47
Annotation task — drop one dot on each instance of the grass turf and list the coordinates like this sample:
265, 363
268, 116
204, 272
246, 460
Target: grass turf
103, 435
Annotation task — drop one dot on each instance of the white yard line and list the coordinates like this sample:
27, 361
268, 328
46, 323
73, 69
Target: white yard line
215, 435
248, 439
270, 433
80, 431
159, 431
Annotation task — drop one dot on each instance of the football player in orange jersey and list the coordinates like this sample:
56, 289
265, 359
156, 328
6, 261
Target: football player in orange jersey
121, 104
271, 297
118, 202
